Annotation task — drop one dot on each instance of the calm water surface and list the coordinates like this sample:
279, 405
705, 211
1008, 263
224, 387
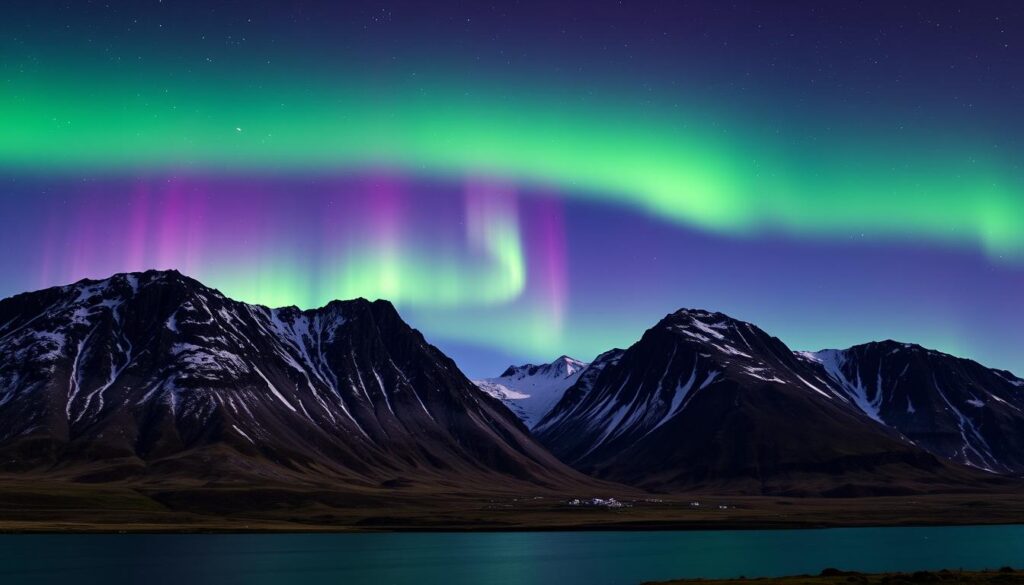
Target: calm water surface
561, 558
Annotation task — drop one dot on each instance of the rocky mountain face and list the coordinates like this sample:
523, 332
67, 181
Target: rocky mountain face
530, 391
952, 407
704, 401
576, 393
155, 375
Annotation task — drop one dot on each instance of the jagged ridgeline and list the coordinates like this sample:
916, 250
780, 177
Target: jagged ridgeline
155, 377
706, 401
154, 374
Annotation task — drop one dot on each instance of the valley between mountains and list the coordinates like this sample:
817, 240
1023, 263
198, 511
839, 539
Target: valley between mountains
148, 401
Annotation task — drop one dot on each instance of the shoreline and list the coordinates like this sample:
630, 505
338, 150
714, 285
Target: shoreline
1000, 576
60, 508
213, 528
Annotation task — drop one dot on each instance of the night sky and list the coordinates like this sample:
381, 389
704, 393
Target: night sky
530, 179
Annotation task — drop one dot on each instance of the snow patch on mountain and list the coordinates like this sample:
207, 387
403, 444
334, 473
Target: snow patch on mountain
531, 391
833, 361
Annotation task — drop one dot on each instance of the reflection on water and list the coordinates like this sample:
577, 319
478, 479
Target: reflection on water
560, 558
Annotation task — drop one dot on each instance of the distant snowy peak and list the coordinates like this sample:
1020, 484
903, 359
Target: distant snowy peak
530, 391
563, 367
577, 393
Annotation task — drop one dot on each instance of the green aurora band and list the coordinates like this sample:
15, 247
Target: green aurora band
681, 165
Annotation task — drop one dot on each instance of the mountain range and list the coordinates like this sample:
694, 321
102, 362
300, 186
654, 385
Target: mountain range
706, 401
155, 377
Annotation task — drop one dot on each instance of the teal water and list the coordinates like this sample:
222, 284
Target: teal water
527, 558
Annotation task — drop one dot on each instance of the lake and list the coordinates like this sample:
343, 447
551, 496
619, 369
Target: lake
559, 558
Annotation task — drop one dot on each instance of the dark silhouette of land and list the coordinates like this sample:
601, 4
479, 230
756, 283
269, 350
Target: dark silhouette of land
1003, 576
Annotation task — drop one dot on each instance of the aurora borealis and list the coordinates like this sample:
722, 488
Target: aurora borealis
529, 180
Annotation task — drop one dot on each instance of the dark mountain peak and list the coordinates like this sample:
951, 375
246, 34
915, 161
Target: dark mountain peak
125, 285
170, 274
703, 326
151, 372
704, 398
361, 302
383, 305
562, 367
891, 346
341, 311
513, 370
695, 312
895, 344
684, 315
722, 344
174, 288
384, 311
952, 406
912, 354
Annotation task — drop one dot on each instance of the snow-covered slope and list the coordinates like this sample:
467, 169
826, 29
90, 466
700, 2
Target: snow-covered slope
951, 406
154, 373
530, 391
703, 400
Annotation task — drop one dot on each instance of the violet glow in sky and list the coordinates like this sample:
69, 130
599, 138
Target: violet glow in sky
557, 277
530, 180
292, 241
